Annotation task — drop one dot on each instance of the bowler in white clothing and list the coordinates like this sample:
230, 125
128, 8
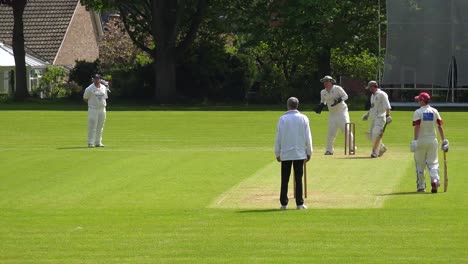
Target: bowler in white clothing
293, 147
95, 95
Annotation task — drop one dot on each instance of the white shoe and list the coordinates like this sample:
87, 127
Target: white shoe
382, 151
100, 145
90, 146
283, 207
301, 207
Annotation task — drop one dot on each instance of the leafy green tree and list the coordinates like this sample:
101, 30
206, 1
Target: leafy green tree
303, 40
162, 28
116, 49
345, 24
21, 91
52, 82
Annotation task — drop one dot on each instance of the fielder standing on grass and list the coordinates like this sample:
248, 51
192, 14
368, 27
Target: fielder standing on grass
334, 97
293, 145
424, 145
379, 114
95, 95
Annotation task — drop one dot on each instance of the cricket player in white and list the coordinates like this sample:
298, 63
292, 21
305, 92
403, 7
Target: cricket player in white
425, 142
293, 147
379, 114
95, 95
334, 97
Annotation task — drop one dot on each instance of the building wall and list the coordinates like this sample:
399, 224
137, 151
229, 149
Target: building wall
81, 41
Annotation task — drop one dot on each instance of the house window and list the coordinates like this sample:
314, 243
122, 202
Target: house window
35, 76
4, 82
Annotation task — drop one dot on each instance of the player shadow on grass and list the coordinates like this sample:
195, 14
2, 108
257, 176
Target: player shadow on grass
401, 193
65, 148
355, 157
269, 210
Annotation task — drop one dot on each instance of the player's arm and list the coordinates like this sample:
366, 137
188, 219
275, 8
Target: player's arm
414, 142
278, 141
343, 94
309, 148
441, 132
387, 106
319, 107
445, 143
417, 127
86, 94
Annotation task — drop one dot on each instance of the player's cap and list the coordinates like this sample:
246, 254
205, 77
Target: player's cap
423, 97
97, 76
327, 78
372, 84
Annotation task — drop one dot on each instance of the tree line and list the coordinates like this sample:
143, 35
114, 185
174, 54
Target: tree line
230, 50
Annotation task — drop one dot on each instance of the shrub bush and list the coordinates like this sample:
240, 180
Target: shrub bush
51, 85
209, 73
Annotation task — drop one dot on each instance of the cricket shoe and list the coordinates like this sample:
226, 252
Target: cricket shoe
283, 207
382, 151
421, 190
100, 145
328, 153
301, 207
373, 155
90, 146
435, 186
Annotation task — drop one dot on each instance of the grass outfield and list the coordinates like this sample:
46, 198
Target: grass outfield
203, 187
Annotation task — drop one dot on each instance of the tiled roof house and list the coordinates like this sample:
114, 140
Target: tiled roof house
59, 31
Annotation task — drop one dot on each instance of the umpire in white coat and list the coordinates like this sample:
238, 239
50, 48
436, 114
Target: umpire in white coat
293, 147
334, 97
95, 95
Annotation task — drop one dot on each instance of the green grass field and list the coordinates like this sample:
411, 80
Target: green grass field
203, 187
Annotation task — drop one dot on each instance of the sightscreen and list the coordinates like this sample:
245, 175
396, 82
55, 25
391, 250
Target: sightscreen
427, 43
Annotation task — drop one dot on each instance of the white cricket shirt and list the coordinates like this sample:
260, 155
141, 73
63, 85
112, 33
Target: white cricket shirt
96, 96
293, 139
379, 104
329, 97
427, 118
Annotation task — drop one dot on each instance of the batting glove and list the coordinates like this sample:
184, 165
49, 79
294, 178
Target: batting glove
337, 101
319, 108
413, 145
388, 119
445, 145
365, 116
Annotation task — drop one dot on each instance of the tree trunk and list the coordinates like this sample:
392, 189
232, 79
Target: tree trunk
21, 91
165, 70
164, 32
324, 62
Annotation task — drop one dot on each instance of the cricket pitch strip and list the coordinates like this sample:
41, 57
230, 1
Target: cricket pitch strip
336, 182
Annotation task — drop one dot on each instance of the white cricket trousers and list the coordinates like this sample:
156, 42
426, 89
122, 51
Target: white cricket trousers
376, 128
336, 121
426, 155
96, 120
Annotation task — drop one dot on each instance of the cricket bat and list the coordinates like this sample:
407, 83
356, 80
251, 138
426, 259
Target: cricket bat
445, 172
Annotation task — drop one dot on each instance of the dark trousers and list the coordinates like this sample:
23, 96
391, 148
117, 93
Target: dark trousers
285, 173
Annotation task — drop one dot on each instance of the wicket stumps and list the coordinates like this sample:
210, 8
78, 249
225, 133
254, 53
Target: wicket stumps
349, 145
